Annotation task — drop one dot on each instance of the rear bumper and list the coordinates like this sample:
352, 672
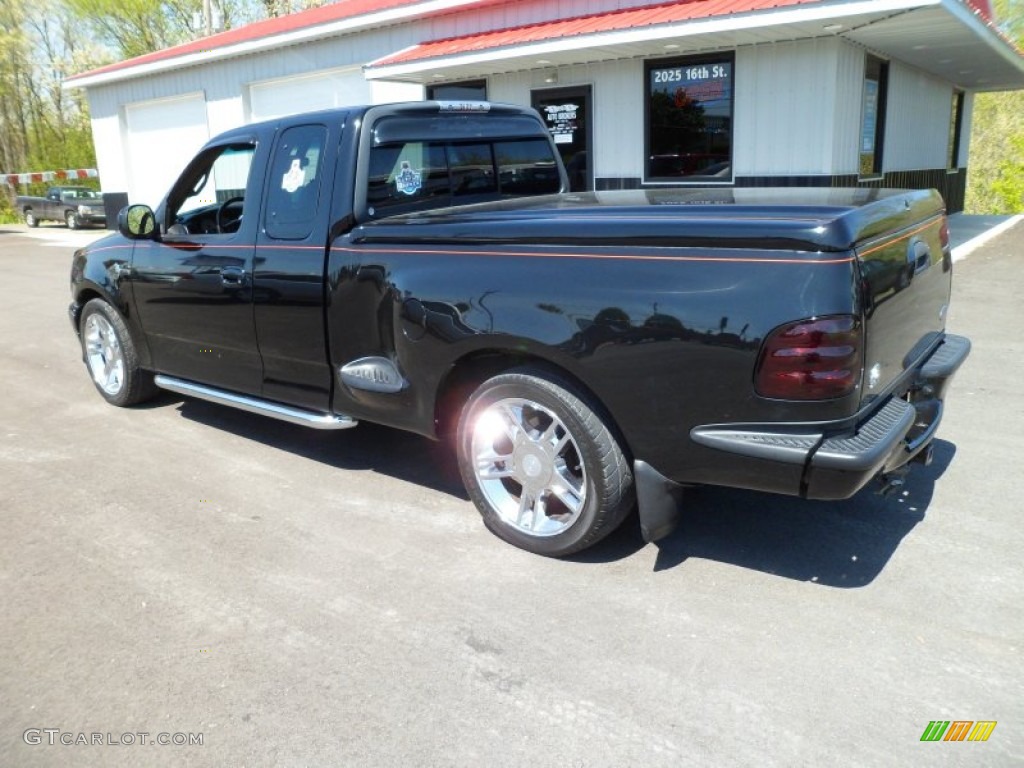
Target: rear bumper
835, 463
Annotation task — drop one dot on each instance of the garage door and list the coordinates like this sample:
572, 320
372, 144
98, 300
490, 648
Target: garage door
323, 90
162, 137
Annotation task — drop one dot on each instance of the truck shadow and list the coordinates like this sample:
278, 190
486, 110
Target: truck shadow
371, 447
842, 544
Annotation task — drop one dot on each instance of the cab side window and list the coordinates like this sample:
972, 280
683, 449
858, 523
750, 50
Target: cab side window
296, 182
209, 198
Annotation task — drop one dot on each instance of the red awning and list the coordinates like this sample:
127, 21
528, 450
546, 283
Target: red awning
647, 16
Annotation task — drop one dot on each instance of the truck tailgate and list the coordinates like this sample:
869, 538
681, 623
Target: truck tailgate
905, 287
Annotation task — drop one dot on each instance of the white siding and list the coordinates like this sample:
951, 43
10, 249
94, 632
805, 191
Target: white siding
618, 106
110, 156
306, 93
916, 121
224, 114
384, 92
784, 115
849, 86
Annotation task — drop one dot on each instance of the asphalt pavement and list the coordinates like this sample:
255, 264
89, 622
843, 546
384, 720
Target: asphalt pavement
297, 598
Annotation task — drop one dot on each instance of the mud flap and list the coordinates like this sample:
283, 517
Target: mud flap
658, 502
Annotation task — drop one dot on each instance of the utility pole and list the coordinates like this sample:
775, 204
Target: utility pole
208, 16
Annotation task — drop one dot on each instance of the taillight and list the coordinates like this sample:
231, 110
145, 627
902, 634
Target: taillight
813, 359
944, 233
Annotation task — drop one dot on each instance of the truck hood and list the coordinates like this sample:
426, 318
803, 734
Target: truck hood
801, 219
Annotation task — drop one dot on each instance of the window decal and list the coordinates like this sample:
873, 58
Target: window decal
408, 181
561, 120
295, 177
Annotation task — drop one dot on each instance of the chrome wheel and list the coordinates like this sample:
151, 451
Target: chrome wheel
103, 354
528, 466
30, 218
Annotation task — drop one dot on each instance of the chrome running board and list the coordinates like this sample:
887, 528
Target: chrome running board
255, 405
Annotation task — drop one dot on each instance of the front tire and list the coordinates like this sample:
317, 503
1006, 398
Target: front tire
71, 219
543, 468
30, 218
111, 357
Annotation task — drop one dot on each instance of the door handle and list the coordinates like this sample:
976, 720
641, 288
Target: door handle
232, 275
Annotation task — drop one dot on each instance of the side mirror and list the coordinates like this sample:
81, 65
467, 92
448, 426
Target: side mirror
137, 222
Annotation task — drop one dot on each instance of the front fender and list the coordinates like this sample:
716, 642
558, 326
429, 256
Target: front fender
103, 271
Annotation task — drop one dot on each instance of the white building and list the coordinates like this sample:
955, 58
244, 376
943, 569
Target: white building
721, 92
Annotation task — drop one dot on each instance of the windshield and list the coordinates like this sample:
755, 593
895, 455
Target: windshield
80, 193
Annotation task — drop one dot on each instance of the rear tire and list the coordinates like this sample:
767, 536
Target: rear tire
543, 468
30, 218
111, 357
71, 219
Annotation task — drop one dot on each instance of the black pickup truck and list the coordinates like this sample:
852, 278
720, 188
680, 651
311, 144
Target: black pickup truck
76, 207
422, 266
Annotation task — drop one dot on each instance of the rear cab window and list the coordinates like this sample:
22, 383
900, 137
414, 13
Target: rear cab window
426, 161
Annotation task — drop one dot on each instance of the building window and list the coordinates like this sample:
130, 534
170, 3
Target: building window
689, 119
955, 122
872, 116
469, 90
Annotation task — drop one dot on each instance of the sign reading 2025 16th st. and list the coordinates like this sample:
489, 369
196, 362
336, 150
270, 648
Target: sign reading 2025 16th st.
707, 85
692, 74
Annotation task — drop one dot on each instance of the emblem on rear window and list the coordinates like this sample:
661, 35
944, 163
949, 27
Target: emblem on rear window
408, 181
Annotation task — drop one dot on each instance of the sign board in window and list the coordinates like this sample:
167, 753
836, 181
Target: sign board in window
566, 113
872, 116
561, 121
870, 122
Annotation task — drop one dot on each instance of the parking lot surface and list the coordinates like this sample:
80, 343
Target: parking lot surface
298, 598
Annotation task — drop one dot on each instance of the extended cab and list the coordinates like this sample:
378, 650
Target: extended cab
74, 206
421, 266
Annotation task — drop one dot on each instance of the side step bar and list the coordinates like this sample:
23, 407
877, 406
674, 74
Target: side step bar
255, 405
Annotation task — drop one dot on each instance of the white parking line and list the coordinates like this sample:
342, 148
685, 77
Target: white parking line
58, 237
964, 250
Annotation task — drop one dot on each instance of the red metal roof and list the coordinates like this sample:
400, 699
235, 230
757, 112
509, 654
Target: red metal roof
260, 29
646, 16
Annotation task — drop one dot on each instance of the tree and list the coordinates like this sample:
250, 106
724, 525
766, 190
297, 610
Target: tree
995, 181
14, 73
284, 7
135, 27
42, 42
42, 127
